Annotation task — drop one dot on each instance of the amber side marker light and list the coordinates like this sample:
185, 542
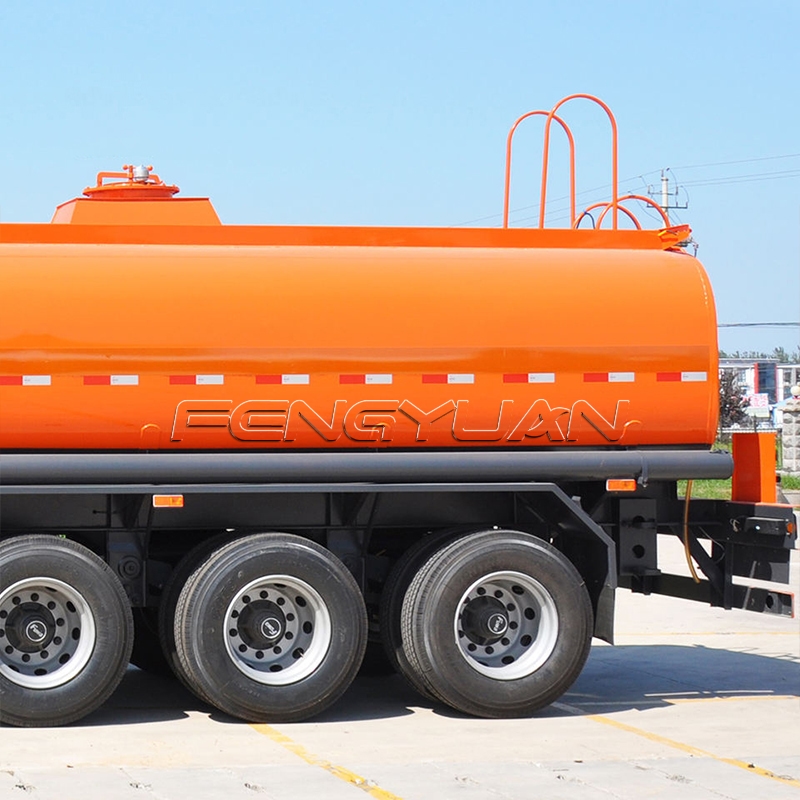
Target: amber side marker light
621, 485
167, 501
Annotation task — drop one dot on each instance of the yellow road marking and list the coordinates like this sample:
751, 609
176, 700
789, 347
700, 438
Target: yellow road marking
695, 751
341, 773
686, 748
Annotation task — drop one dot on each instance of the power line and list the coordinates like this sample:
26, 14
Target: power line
747, 178
729, 179
548, 203
740, 161
758, 325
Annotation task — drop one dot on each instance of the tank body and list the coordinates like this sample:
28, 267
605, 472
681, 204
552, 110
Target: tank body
256, 342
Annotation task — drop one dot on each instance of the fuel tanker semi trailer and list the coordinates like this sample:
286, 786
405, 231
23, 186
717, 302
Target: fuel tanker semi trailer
246, 454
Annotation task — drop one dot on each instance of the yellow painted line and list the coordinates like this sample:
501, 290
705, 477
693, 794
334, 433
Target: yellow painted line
341, 773
695, 751
686, 748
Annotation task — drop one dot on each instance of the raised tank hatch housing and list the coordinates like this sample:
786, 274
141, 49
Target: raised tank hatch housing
136, 196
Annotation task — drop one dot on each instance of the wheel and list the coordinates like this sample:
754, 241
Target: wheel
147, 653
271, 627
169, 599
497, 624
65, 631
394, 591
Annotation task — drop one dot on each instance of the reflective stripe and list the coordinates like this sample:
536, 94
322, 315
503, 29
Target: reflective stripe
694, 377
378, 379
529, 377
197, 380
110, 380
368, 379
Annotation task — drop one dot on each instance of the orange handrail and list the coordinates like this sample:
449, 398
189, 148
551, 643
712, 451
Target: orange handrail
641, 198
614, 158
507, 189
606, 206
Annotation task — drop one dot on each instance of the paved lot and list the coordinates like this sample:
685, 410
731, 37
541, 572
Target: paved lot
692, 703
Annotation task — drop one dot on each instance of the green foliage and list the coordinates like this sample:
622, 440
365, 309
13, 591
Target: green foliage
790, 482
707, 490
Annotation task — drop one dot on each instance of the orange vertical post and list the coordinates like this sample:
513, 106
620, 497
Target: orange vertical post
754, 468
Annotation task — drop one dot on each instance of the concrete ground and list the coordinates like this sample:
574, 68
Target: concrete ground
692, 702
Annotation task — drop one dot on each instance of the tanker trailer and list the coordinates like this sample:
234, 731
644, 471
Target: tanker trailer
246, 454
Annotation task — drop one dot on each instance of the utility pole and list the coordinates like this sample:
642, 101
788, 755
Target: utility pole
665, 204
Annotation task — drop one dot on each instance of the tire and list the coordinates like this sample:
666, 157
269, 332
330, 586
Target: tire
169, 600
48, 587
270, 628
497, 624
394, 591
147, 653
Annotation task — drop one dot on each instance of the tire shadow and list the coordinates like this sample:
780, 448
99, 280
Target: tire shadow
625, 677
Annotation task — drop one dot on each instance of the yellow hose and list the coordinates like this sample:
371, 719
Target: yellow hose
686, 532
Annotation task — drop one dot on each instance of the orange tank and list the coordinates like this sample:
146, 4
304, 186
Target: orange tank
144, 323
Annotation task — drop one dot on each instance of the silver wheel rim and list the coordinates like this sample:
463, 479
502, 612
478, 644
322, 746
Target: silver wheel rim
47, 633
277, 630
506, 625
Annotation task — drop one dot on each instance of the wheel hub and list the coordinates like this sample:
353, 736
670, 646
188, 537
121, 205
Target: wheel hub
30, 627
506, 625
277, 630
47, 633
261, 624
484, 620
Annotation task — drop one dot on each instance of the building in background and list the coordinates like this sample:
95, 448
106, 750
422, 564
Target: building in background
766, 376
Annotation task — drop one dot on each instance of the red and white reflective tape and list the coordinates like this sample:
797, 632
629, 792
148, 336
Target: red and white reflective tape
197, 380
449, 377
683, 377
369, 379
285, 380
110, 380
529, 377
25, 380
609, 377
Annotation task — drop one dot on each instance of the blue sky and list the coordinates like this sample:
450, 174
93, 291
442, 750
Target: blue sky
396, 114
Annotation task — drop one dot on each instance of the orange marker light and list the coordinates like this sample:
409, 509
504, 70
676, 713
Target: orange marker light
167, 501
621, 485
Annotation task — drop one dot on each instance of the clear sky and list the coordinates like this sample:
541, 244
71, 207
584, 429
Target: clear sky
396, 114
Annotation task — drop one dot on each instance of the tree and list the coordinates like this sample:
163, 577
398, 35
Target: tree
731, 403
778, 353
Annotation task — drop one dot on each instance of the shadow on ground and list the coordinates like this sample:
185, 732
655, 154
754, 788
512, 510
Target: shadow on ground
619, 678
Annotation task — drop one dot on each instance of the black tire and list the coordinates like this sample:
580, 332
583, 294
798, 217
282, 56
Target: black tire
400, 577
66, 631
147, 653
497, 624
169, 600
270, 628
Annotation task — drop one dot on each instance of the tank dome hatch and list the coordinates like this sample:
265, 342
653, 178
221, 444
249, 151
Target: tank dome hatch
135, 196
